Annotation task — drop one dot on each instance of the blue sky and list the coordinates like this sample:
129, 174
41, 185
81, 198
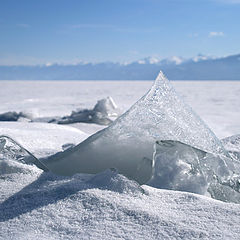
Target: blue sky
70, 31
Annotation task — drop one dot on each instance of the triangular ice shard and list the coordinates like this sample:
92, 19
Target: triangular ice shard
12, 150
127, 144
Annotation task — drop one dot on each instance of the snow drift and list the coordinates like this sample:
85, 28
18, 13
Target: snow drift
39, 205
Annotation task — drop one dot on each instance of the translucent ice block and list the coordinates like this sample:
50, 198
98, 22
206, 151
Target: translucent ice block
127, 144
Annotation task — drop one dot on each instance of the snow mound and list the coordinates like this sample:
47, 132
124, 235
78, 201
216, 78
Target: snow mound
48, 188
46, 206
112, 181
127, 144
10, 166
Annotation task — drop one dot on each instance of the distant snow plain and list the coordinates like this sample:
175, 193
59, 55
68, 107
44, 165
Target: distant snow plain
36, 205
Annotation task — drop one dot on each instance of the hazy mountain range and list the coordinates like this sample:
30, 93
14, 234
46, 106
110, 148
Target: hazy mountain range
175, 68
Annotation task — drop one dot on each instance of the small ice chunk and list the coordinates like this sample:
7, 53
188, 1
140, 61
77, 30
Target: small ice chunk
177, 167
181, 167
232, 145
107, 107
101, 114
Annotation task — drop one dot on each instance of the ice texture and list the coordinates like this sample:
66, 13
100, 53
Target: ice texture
178, 167
127, 144
107, 107
232, 145
184, 168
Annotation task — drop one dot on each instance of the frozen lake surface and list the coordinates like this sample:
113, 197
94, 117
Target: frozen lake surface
216, 102
40, 205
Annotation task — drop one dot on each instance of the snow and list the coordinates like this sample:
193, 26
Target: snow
42, 139
40, 205
107, 206
216, 102
103, 113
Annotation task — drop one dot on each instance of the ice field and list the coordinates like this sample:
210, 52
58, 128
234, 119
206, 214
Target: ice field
216, 102
106, 204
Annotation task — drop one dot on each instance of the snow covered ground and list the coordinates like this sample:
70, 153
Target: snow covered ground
106, 206
42, 139
39, 205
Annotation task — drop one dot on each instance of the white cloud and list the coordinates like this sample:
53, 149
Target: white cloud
216, 34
